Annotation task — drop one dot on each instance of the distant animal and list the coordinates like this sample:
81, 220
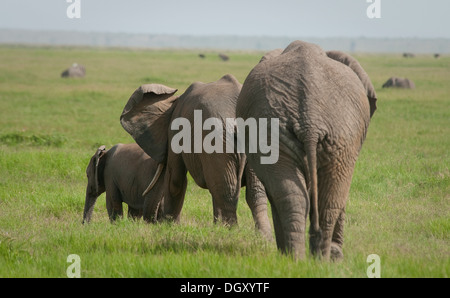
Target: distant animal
201, 55
123, 173
75, 71
397, 82
437, 55
224, 57
408, 55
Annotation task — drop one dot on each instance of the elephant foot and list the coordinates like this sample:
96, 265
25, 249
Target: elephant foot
336, 253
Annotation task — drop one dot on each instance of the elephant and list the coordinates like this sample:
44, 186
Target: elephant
399, 83
122, 172
151, 117
224, 57
75, 71
323, 102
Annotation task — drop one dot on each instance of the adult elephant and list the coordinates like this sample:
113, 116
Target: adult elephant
397, 82
323, 103
154, 115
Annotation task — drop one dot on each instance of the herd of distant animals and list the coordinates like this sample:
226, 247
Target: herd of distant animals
79, 71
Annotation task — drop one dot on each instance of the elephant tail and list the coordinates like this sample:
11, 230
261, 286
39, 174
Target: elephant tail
315, 231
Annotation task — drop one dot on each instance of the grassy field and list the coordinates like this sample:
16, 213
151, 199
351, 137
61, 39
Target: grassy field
399, 206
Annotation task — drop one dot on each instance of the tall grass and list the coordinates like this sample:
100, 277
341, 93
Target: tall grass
50, 127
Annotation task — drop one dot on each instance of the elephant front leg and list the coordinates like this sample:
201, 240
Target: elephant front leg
153, 207
133, 213
114, 204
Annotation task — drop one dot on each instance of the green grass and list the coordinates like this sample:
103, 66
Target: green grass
50, 127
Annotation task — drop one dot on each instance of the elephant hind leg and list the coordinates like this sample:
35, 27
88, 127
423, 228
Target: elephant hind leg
289, 232
223, 181
327, 247
334, 187
225, 205
286, 190
338, 238
290, 207
289, 219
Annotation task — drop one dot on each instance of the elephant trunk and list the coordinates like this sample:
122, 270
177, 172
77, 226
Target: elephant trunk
89, 207
155, 179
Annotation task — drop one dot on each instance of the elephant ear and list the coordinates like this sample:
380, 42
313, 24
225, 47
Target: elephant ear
146, 117
99, 167
94, 170
360, 72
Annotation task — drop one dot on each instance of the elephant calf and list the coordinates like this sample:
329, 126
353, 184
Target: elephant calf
122, 172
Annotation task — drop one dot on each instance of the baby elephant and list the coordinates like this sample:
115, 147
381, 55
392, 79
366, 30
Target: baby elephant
124, 172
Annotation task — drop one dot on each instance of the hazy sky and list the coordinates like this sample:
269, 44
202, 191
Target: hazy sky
296, 18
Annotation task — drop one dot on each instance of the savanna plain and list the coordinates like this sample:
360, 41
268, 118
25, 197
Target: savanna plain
398, 208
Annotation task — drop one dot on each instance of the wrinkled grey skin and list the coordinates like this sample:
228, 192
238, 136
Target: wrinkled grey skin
324, 104
124, 171
148, 117
399, 83
271, 54
360, 72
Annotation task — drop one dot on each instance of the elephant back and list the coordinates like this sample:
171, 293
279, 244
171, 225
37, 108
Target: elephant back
215, 99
